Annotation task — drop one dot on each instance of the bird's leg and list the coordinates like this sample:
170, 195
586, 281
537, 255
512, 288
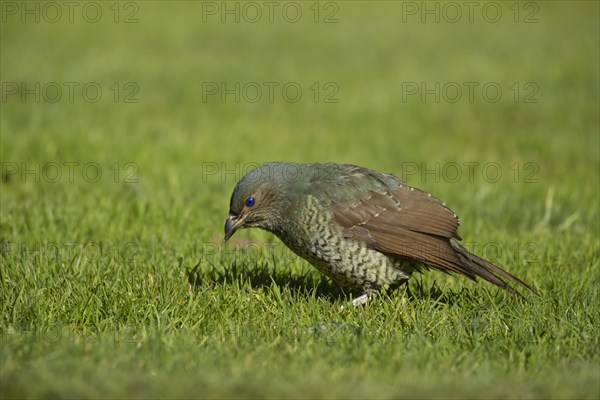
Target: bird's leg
370, 293
363, 298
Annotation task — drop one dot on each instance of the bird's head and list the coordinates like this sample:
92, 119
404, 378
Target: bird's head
259, 200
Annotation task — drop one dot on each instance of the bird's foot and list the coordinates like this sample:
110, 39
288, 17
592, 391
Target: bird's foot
362, 299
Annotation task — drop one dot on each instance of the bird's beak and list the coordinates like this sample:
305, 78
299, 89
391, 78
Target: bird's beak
232, 224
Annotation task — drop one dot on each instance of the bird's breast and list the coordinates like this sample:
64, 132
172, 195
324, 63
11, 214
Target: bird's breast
312, 234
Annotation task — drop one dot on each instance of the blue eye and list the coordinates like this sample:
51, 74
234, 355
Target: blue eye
250, 201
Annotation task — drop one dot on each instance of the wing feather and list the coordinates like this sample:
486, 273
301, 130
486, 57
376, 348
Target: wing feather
397, 219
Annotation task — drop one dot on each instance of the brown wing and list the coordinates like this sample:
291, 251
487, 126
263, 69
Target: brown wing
411, 223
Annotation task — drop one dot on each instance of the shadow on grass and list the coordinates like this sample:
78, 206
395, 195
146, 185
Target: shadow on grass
263, 276
435, 294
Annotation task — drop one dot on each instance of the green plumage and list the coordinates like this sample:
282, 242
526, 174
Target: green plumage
362, 228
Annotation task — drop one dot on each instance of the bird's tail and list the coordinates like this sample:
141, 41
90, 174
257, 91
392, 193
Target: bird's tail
477, 266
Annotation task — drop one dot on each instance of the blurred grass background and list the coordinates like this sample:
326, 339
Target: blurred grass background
127, 322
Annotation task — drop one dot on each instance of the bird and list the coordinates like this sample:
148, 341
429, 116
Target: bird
366, 230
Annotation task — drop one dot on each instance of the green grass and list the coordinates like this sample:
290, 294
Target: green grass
121, 288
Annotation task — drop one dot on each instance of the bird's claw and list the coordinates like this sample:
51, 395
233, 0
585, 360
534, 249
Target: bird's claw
360, 300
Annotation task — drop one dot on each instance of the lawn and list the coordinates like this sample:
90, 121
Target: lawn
125, 126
